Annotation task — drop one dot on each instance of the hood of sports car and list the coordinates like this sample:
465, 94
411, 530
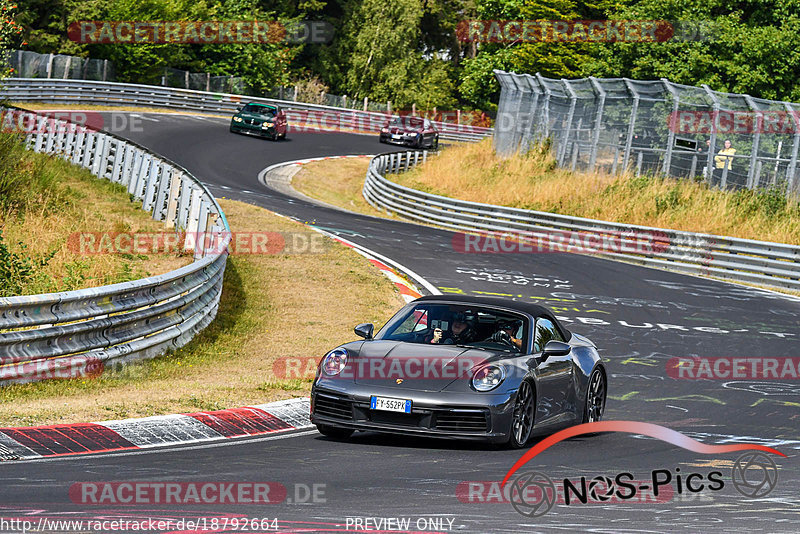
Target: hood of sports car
256, 118
414, 366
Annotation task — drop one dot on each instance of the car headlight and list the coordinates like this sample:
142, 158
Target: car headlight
334, 362
385, 130
237, 119
267, 124
488, 377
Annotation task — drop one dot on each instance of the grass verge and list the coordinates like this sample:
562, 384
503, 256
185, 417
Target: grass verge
43, 201
337, 182
273, 307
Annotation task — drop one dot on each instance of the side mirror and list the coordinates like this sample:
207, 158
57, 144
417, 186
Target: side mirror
239, 109
555, 348
364, 330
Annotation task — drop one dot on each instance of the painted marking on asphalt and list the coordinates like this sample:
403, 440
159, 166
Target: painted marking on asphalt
246, 421
178, 447
68, 439
161, 429
296, 412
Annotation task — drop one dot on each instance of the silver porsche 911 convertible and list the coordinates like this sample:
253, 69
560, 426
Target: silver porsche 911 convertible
461, 367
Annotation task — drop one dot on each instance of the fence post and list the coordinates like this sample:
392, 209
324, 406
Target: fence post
529, 129
365, 103
564, 143
599, 117
105, 70
756, 142
791, 177
67, 67
546, 109
631, 125
186, 79
665, 169
713, 144
50, 66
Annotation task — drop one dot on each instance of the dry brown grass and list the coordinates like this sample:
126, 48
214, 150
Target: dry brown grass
272, 306
337, 182
473, 172
88, 205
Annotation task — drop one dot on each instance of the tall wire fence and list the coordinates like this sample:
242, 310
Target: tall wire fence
653, 127
28, 64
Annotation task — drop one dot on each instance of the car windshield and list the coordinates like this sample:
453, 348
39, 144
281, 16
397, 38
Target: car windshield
407, 122
260, 110
460, 324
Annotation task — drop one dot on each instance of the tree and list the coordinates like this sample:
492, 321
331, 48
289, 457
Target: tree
554, 59
749, 46
9, 33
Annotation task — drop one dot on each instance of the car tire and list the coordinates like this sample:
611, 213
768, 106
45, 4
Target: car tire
595, 401
334, 432
418, 141
522, 416
435, 143
232, 130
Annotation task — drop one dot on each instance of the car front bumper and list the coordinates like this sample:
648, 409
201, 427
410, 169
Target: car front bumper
470, 416
404, 139
252, 129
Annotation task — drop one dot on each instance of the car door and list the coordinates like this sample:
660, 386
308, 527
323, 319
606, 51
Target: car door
280, 122
555, 377
427, 132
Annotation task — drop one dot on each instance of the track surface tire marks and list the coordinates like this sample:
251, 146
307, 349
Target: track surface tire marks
386, 476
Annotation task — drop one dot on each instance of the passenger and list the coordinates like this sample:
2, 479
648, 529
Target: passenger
461, 331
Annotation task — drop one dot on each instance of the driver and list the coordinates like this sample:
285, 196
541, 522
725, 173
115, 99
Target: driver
461, 332
505, 334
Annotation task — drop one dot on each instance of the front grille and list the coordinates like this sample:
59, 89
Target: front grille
393, 418
462, 421
333, 407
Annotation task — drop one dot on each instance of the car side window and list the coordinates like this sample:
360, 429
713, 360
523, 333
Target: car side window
545, 331
415, 322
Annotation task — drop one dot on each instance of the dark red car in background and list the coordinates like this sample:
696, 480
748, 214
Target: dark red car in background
411, 131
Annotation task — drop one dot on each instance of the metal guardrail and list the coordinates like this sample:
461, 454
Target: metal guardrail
125, 94
741, 260
78, 333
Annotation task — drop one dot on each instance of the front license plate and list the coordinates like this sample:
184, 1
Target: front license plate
396, 136
389, 404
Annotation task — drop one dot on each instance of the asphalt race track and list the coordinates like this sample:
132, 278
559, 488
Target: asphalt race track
640, 318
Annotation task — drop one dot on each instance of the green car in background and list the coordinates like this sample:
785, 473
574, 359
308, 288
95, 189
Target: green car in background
263, 120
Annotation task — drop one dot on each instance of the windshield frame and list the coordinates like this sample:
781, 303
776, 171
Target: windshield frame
406, 312
260, 109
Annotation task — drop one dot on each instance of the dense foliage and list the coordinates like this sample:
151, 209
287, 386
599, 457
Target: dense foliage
407, 51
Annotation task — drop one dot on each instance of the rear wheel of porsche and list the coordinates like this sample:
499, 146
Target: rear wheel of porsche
522, 417
334, 432
595, 397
